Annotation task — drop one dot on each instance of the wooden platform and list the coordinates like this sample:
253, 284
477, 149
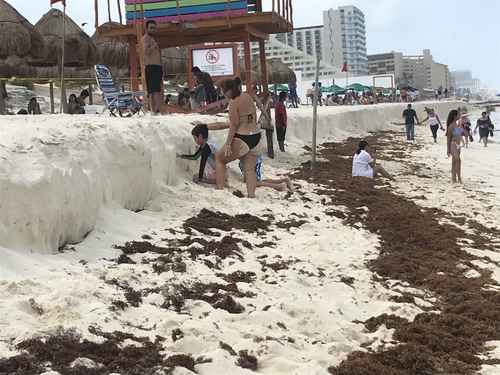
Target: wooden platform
195, 22
220, 29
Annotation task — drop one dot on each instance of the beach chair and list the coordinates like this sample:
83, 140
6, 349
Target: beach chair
122, 103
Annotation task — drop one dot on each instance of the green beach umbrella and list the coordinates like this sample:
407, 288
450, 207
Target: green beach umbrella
358, 87
278, 88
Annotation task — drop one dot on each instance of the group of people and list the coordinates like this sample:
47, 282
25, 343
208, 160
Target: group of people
242, 141
204, 92
76, 105
458, 134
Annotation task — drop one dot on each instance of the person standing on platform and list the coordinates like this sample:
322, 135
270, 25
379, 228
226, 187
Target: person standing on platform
154, 70
280, 116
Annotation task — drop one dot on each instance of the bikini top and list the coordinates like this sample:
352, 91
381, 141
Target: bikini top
457, 131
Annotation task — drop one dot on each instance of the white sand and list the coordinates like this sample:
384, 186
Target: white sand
62, 177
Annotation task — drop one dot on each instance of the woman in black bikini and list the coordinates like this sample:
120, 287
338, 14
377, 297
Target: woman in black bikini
243, 137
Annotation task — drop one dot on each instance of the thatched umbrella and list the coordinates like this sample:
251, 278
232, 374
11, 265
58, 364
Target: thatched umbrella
278, 72
20, 46
18, 37
256, 76
174, 60
80, 50
111, 52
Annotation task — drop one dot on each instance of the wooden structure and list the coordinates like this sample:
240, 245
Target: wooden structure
190, 22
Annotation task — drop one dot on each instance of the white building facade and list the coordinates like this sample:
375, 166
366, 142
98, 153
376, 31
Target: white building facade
344, 39
419, 71
306, 39
296, 59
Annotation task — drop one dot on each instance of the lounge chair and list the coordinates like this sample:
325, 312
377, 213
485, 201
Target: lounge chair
125, 103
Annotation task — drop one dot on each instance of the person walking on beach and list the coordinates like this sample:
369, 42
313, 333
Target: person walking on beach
434, 122
454, 134
410, 116
467, 126
265, 121
154, 70
294, 98
281, 119
243, 137
484, 125
363, 165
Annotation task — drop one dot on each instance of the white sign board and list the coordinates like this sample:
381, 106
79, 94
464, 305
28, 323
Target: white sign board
215, 61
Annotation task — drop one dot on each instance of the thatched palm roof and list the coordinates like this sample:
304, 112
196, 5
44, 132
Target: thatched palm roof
80, 50
174, 60
20, 43
277, 71
111, 52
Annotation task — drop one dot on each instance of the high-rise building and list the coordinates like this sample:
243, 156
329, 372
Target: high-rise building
464, 82
419, 71
295, 58
306, 39
344, 37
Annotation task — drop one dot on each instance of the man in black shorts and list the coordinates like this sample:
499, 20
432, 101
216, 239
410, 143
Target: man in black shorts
154, 71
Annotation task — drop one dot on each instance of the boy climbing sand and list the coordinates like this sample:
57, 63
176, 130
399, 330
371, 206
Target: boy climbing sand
206, 151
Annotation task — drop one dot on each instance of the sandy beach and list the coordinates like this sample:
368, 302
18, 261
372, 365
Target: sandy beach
161, 268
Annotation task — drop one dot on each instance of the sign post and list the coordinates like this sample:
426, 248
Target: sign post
219, 60
315, 114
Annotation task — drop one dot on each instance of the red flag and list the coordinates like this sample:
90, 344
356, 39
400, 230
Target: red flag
52, 2
344, 68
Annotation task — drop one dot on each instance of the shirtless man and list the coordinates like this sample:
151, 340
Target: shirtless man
154, 71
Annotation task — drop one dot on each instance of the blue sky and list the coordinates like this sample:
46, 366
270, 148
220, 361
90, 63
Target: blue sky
461, 33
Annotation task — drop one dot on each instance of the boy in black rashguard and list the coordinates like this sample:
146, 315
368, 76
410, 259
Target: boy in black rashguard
206, 152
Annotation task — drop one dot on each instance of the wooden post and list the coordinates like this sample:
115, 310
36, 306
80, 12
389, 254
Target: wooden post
96, 10
91, 95
2, 99
139, 34
291, 12
274, 6
119, 11
279, 7
263, 66
286, 7
109, 11
248, 64
258, 6
51, 93
132, 57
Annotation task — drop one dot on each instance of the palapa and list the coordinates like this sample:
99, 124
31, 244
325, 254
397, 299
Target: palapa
80, 50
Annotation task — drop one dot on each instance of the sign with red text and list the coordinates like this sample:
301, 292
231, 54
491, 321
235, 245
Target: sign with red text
217, 61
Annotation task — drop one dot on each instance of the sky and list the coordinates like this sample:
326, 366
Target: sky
461, 33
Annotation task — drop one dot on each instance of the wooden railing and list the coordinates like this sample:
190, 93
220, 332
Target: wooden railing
284, 9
